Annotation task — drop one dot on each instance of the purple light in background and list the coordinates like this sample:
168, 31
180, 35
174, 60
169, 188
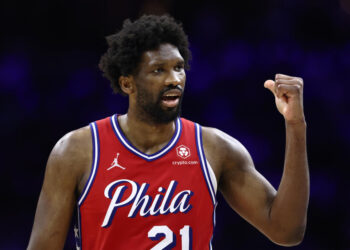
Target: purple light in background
319, 68
344, 127
277, 21
202, 73
81, 83
219, 111
15, 77
280, 52
344, 56
208, 26
236, 60
14, 71
279, 56
29, 101
317, 65
12, 246
296, 57
323, 187
259, 148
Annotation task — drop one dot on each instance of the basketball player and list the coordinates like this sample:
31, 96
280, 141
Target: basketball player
147, 179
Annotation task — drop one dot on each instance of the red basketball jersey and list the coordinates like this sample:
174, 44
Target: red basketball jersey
136, 201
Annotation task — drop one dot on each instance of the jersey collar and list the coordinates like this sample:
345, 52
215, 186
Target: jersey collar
120, 135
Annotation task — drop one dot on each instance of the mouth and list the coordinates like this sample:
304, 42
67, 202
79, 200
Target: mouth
171, 98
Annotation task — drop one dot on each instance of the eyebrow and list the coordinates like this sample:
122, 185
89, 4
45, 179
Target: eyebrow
156, 64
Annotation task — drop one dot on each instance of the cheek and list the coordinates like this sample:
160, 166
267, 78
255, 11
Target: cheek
183, 78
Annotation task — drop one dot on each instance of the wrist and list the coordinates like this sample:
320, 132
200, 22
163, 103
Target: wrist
296, 122
296, 126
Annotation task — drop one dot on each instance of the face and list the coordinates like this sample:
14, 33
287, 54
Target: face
160, 81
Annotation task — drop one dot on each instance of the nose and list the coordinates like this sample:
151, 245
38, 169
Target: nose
174, 78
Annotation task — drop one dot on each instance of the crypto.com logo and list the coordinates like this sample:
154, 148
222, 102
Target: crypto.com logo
183, 151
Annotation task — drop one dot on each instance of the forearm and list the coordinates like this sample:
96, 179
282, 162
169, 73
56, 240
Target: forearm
289, 208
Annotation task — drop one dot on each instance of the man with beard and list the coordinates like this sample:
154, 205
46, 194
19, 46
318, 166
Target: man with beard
147, 179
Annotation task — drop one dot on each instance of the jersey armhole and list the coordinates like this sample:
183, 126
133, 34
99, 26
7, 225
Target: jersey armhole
208, 173
212, 176
95, 160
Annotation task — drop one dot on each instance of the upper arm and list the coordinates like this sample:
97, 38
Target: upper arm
242, 186
65, 169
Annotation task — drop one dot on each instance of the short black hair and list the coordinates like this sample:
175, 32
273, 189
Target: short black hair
146, 33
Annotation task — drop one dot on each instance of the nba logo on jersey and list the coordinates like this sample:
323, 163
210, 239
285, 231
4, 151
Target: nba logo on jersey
183, 151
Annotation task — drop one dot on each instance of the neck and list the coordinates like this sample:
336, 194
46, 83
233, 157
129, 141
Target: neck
148, 137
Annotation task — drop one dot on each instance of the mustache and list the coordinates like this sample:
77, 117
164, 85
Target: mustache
178, 87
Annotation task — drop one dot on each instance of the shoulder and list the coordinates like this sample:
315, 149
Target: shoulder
222, 143
224, 153
71, 156
73, 144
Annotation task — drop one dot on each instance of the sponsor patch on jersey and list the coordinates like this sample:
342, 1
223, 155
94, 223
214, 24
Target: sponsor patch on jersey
183, 151
181, 163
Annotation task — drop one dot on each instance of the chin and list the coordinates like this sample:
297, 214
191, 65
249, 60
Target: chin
168, 115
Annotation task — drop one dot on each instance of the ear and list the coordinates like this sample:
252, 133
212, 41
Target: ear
126, 83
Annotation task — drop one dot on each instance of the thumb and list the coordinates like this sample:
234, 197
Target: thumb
269, 84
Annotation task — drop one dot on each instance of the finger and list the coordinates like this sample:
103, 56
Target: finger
293, 81
286, 89
283, 76
269, 84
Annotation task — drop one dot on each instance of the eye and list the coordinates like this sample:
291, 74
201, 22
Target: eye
179, 67
158, 70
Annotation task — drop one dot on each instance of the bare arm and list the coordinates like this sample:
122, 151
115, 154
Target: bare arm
280, 215
289, 207
64, 174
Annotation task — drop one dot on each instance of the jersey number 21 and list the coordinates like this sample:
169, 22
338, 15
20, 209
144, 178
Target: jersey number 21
169, 240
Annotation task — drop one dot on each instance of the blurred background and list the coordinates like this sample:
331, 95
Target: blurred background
50, 84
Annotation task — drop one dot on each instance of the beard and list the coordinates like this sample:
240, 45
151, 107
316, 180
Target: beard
152, 110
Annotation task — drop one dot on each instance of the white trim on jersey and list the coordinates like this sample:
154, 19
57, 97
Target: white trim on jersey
78, 240
95, 146
207, 175
212, 177
147, 157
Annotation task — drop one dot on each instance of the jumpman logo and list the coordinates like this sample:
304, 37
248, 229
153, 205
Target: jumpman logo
115, 163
